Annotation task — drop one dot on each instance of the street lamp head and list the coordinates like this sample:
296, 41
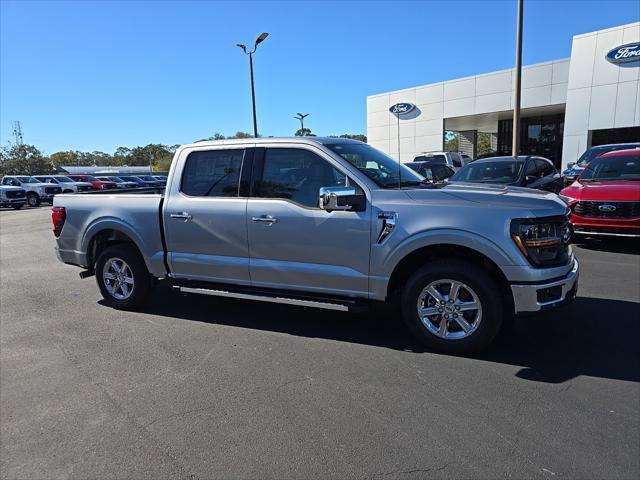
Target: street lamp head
261, 38
243, 47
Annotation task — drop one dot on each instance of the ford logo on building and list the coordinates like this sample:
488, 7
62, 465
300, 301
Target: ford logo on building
624, 53
607, 208
401, 108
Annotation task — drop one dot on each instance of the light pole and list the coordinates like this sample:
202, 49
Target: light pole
259, 40
517, 84
301, 117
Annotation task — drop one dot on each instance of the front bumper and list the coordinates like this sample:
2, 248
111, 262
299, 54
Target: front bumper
545, 295
9, 202
614, 227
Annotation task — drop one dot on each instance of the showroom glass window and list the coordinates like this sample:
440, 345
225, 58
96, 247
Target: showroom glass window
212, 173
296, 174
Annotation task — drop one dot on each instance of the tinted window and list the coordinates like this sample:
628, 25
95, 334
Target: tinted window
544, 168
455, 158
612, 168
297, 175
212, 173
489, 172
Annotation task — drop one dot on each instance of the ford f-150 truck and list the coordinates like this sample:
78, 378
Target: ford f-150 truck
330, 223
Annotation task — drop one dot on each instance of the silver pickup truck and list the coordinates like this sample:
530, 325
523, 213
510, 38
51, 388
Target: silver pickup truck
329, 223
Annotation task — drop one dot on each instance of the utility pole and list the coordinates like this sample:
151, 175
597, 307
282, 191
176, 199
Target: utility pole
517, 84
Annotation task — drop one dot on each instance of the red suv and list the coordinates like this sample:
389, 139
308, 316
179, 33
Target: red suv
97, 184
605, 199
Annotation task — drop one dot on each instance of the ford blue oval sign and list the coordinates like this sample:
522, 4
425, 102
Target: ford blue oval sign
625, 53
401, 108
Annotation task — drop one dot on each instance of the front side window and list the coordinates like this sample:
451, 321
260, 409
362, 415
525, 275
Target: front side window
383, 170
297, 175
455, 159
212, 173
545, 168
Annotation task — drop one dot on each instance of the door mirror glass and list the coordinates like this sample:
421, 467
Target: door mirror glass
571, 164
341, 198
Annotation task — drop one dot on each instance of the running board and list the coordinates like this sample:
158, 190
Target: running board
343, 306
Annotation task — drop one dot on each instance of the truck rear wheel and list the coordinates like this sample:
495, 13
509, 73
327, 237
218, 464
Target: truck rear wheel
123, 278
452, 306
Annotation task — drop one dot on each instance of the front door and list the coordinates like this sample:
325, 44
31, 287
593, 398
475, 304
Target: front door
295, 245
205, 216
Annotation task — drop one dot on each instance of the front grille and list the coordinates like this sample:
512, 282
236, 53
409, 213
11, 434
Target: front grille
607, 209
52, 190
15, 193
85, 188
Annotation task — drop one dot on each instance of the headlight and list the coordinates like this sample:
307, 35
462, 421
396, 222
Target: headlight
543, 241
566, 199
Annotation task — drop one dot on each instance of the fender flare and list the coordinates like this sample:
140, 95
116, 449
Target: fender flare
449, 237
112, 223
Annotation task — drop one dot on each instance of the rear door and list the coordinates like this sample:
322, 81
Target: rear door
294, 244
205, 215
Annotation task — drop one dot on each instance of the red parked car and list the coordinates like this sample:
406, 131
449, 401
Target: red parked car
605, 199
97, 184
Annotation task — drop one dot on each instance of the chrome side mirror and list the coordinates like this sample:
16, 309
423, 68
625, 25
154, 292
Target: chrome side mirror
340, 198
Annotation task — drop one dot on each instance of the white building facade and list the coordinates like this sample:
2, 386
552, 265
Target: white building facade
567, 105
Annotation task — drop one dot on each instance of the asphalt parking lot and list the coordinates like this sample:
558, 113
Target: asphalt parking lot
198, 387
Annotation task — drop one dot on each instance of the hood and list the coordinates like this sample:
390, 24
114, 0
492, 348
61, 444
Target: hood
611, 190
10, 187
39, 185
536, 201
80, 184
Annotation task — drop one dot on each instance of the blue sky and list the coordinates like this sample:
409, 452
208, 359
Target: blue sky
97, 75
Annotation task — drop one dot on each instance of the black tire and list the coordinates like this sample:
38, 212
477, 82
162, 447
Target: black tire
141, 288
33, 199
18, 206
483, 286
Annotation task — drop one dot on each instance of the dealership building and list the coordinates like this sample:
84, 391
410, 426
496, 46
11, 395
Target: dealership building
568, 105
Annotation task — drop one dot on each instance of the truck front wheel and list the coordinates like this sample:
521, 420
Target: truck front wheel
452, 306
33, 199
123, 278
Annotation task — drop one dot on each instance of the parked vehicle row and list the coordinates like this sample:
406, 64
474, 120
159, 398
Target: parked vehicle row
18, 190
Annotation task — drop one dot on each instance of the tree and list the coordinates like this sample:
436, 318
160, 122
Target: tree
484, 143
304, 132
359, 136
450, 141
23, 160
60, 159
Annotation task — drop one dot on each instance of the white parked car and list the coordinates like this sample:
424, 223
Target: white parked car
455, 160
67, 184
37, 191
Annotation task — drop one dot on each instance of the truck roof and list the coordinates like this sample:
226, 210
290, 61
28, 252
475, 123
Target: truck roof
301, 140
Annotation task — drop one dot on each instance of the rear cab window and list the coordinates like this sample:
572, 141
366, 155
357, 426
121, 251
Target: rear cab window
212, 173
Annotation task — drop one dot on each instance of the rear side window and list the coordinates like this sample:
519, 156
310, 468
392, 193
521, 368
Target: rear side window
212, 173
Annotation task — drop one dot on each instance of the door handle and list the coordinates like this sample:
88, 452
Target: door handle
182, 216
265, 219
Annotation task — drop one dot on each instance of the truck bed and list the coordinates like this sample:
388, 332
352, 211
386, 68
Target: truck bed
135, 213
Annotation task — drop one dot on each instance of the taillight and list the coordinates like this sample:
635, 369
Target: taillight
58, 216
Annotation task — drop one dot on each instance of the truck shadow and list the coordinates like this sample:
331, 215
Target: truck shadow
593, 336
611, 245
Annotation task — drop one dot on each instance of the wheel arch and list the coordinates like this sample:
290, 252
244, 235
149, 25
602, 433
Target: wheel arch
424, 254
99, 237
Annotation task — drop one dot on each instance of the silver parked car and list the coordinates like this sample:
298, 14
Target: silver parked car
330, 223
14, 197
67, 184
37, 191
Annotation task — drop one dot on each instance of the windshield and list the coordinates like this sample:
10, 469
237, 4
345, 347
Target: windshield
592, 153
612, 168
383, 170
63, 179
489, 172
28, 180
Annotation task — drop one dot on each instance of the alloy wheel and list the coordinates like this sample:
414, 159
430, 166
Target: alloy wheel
118, 278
